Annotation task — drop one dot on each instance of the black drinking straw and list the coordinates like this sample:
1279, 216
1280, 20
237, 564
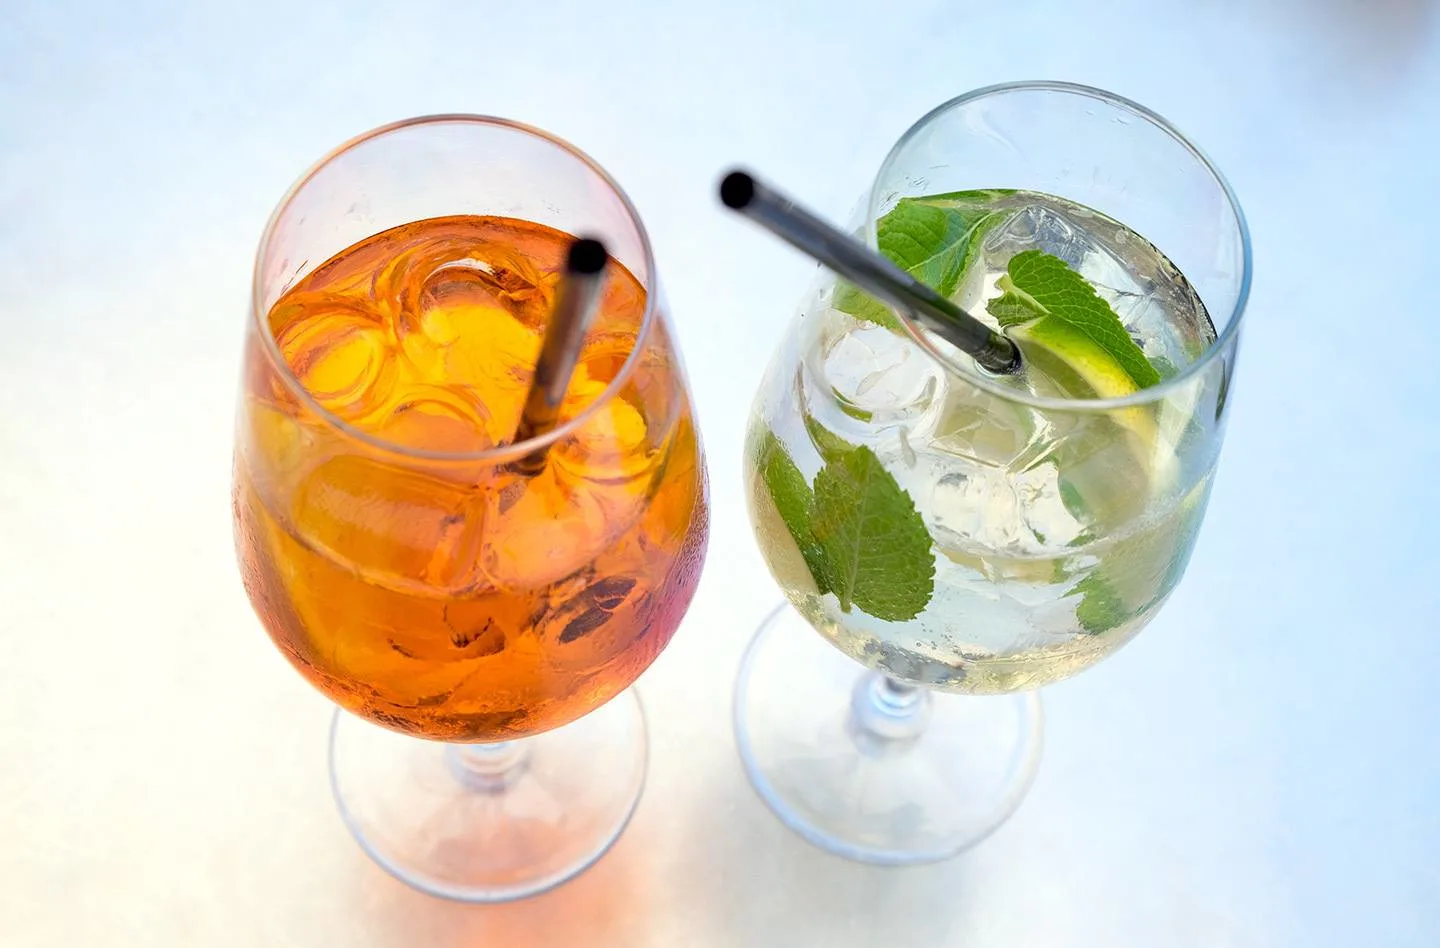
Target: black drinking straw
868, 270
576, 299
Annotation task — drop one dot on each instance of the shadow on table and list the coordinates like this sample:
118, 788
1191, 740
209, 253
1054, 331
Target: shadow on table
748, 881
770, 887
603, 906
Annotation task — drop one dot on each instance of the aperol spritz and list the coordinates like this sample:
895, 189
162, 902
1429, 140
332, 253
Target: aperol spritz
463, 600
399, 540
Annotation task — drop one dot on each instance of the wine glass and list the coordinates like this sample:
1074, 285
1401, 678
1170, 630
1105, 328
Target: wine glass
968, 537
478, 624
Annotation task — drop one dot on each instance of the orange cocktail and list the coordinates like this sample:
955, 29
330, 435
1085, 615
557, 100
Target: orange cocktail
453, 597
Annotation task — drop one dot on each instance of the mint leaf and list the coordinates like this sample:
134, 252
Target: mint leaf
1039, 286
1074, 501
875, 543
859, 414
1137, 573
1165, 368
828, 443
934, 238
1101, 608
857, 530
1224, 390
855, 301
795, 502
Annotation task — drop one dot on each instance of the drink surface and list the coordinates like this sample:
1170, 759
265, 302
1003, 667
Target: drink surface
981, 539
448, 596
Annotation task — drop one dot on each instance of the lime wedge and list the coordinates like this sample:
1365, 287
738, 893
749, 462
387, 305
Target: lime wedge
1081, 369
1077, 348
1113, 465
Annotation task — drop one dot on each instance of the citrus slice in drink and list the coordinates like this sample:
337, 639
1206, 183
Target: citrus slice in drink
1114, 459
1082, 369
1114, 467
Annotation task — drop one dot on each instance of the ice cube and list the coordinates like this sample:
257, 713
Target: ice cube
875, 376
580, 610
1106, 476
493, 277
448, 418
1050, 522
543, 528
614, 442
984, 429
1090, 244
1135, 308
974, 507
1145, 289
397, 527
1038, 227
338, 349
457, 271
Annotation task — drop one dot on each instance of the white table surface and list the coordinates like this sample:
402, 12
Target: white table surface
1260, 768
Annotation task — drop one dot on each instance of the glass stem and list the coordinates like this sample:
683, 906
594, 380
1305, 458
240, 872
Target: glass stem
886, 714
488, 768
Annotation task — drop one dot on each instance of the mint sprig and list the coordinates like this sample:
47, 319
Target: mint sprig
1041, 287
857, 529
935, 238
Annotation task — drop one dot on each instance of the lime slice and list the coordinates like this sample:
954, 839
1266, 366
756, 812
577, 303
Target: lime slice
1112, 462
1113, 465
1075, 343
1082, 369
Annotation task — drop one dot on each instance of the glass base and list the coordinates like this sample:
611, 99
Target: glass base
491, 822
871, 769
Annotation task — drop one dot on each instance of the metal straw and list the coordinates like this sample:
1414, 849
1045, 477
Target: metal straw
869, 270
576, 299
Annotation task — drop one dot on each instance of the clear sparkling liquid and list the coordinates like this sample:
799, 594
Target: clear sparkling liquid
1023, 503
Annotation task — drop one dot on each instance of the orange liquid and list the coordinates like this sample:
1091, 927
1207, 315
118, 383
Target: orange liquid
447, 597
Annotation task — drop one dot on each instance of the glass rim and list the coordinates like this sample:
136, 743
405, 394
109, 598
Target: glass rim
498, 453
974, 374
